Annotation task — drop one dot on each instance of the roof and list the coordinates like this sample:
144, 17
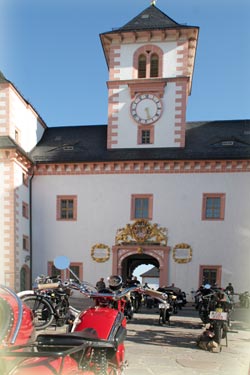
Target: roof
8, 143
3, 79
208, 140
153, 272
150, 18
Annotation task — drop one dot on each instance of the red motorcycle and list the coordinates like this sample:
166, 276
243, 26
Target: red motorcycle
95, 346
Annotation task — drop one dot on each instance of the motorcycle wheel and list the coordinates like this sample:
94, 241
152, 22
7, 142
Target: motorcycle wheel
42, 311
165, 317
136, 305
218, 333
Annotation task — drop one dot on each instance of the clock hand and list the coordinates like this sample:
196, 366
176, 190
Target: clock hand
147, 113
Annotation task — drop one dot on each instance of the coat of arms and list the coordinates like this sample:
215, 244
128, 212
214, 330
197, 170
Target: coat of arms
141, 231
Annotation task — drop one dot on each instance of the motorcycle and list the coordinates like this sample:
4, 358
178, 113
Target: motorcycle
244, 299
135, 299
49, 302
94, 346
203, 301
220, 308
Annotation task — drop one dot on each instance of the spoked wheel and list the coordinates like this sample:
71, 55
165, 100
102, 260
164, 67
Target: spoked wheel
218, 332
42, 311
164, 317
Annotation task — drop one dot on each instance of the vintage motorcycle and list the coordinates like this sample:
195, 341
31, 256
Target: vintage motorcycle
49, 302
95, 346
220, 308
244, 299
203, 301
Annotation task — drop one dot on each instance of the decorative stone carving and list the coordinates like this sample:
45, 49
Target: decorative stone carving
141, 231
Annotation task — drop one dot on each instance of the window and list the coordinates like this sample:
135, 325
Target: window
66, 207
26, 243
148, 66
77, 270
141, 206
76, 267
142, 66
25, 210
148, 62
154, 65
210, 275
213, 206
145, 136
17, 136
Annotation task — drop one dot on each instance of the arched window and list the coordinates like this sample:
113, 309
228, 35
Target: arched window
148, 62
154, 65
142, 66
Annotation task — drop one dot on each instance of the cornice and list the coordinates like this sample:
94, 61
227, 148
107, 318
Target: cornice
144, 167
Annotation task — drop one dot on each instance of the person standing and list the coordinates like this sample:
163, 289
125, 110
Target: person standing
230, 288
100, 285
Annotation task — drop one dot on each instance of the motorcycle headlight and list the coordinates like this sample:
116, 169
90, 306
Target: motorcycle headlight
115, 282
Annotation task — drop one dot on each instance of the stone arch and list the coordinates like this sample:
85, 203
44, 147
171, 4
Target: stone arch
158, 254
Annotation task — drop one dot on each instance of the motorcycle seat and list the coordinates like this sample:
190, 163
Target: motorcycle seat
87, 336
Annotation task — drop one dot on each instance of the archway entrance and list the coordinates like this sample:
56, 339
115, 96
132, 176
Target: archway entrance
130, 263
126, 259
141, 243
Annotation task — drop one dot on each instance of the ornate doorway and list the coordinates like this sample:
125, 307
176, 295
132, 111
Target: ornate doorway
141, 243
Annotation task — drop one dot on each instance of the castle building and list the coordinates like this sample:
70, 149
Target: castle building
148, 187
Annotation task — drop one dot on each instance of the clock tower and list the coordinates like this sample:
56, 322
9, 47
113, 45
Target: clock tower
151, 63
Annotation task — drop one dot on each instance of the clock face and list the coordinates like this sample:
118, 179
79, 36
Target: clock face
146, 109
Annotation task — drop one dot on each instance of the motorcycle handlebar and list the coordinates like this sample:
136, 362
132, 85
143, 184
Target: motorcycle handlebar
83, 288
48, 286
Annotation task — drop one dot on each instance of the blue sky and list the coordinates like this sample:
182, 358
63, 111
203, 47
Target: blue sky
51, 51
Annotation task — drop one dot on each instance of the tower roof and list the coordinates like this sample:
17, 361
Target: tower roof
152, 21
150, 18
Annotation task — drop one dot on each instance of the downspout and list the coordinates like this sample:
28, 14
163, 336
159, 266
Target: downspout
30, 216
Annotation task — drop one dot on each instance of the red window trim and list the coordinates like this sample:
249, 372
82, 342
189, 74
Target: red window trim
211, 267
26, 243
67, 273
151, 128
222, 196
59, 198
150, 206
25, 210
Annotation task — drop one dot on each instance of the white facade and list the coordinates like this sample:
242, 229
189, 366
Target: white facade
104, 206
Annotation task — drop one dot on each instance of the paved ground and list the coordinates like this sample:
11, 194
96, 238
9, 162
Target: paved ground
152, 349
159, 350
